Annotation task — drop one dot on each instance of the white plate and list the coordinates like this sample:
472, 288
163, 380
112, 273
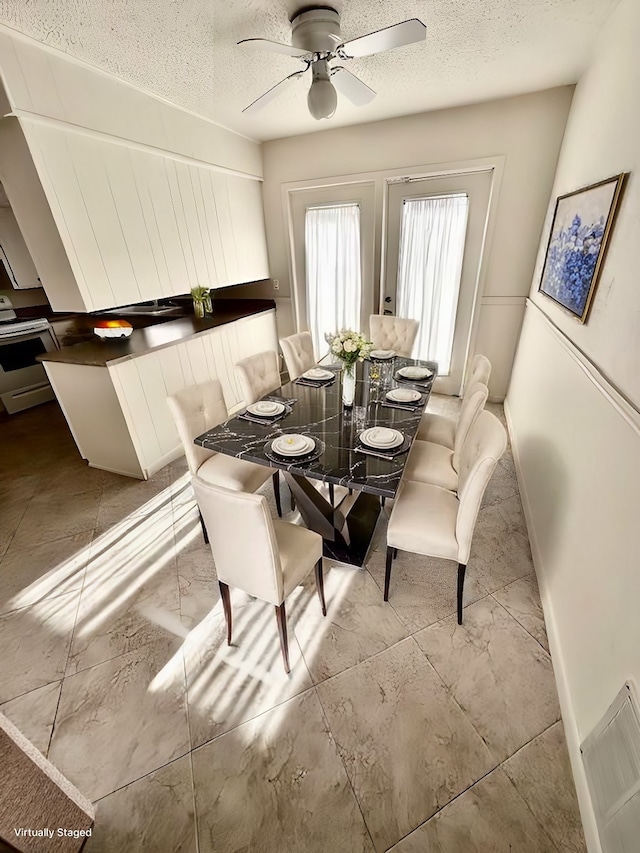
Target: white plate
382, 353
317, 373
266, 408
381, 438
293, 445
404, 395
415, 372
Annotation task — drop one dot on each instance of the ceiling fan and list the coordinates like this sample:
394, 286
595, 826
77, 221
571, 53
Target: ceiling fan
316, 41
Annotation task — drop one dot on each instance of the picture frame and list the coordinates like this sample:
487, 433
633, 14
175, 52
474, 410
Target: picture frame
580, 231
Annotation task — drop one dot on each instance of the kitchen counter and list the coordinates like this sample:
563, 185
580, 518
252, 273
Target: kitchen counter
114, 393
98, 352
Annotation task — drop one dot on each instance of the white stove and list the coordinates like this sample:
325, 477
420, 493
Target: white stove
23, 380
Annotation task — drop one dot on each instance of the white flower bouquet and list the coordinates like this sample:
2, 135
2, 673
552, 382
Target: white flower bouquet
349, 346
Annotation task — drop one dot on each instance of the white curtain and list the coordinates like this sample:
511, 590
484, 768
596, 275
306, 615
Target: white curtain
429, 267
332, 249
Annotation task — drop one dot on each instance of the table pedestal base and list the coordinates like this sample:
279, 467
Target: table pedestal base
346, 530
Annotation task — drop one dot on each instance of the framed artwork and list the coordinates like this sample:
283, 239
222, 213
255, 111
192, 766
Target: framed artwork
580, 230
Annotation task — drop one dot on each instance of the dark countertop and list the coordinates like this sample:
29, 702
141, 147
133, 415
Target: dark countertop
99, 353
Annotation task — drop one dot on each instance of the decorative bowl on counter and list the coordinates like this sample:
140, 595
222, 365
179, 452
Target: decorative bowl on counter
112, 329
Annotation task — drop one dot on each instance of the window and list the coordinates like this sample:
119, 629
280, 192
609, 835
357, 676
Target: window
332, 253
432, 236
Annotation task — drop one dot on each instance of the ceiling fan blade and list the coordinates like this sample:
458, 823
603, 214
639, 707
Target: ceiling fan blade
351, 86
272, 93
398, 35
273, 47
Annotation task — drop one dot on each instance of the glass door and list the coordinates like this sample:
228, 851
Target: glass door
333, 259
435, 236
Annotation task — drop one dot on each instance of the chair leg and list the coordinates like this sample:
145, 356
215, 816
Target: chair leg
320, 586
395, 553
461, 570
391, 553
276, 492
205, 535
293, 502
331, 495
382, 501
226, 606
281, 619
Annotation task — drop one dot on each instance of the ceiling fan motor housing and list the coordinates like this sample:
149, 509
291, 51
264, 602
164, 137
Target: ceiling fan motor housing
316, 30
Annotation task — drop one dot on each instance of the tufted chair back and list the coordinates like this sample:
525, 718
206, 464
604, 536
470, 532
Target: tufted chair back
396, 333
258, 375
243, 540
195, 410
298, 353
486, 442
472, 404
480, 372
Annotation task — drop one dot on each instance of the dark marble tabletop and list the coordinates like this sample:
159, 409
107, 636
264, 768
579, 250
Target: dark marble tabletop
319, 412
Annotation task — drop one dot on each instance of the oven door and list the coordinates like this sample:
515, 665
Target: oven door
23, 381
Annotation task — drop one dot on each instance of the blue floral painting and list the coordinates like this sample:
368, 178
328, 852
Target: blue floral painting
579, 232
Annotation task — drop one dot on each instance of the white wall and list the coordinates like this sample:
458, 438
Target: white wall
573, 407
526, 130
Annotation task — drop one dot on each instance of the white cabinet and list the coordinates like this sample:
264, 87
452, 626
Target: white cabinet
138, 223
118, 414
14, 253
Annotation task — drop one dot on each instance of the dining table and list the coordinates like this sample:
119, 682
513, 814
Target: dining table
340, 485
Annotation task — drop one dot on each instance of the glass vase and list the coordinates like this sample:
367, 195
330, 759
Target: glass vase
198, 307
348, 384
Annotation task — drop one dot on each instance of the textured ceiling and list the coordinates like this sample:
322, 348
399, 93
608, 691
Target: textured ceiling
185, 51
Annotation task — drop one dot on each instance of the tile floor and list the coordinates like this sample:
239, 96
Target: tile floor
396, 730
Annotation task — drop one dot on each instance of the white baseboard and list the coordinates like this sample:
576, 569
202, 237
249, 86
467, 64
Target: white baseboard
566, 708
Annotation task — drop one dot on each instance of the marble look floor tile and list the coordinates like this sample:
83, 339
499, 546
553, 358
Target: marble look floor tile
228, 685
29, 575
121, 719
276, 785
500, 550
48, 518
522, 600
542, 774
422, 589
501, 487
358, 623
498, 673
128, 498
129, 599
35, 644
197, 581
11, 514
488, 818
34, 714
153, 815
407, 746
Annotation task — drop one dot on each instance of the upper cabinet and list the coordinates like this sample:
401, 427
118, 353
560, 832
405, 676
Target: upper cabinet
147, 199
14, 253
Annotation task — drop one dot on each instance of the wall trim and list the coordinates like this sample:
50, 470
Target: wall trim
569, 722
504, 300
612, 394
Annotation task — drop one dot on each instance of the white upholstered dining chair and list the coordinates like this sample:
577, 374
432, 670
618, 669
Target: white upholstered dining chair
197, 409
258, 375
396, 333
435, 522
298, 353
253, 552
433, 463
440, 429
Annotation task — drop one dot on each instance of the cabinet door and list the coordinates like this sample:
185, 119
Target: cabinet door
14, 254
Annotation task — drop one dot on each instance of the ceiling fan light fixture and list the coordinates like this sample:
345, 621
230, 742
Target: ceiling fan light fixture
322, 99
